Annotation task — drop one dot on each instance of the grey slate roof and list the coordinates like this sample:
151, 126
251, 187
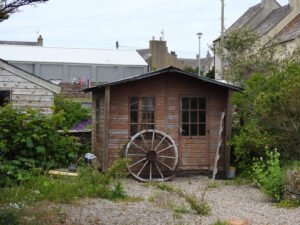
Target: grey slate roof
194, 63
248, 15
291, 31
29, 43
169, 69
144, 53
272, 19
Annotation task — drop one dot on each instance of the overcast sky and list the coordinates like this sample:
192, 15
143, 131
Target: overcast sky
99, 23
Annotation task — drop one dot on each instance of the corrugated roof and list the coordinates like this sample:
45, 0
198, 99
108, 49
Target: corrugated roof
14, 53
272, 19
170, 69
290, 31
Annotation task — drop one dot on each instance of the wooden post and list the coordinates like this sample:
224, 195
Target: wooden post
228, 127
106, 128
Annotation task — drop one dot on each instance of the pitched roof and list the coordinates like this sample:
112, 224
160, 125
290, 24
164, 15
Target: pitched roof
246, 17
194, 63
272, 19
291, 31
144, 53
14, 53
170, 69
30, 77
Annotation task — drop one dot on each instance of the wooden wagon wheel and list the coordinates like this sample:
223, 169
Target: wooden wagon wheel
153, 156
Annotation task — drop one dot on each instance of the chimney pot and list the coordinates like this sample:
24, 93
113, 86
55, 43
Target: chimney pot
40, 41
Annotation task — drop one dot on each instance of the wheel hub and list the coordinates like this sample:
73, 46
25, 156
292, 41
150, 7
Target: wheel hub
151, 156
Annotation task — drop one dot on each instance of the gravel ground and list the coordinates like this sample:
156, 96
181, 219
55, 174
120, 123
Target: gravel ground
155, 206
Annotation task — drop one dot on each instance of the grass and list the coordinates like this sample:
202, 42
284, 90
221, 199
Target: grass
219, 222
200, 206
289, 204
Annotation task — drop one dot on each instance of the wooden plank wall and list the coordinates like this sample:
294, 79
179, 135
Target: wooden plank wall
25, 93
167, 90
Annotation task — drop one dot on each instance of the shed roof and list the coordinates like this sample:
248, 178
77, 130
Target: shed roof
14, 53
30, 77
170, 69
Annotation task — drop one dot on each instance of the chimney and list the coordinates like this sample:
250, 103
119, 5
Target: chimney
295, 4
40, 41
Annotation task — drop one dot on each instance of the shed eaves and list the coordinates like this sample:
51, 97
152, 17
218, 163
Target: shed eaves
15, 53
170, 69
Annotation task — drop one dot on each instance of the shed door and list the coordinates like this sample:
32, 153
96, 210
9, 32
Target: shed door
193, 136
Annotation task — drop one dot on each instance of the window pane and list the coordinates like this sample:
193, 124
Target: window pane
194, 130
185, 117
134, 116
193, 103
134, 103
202, 117
147, 117
194, 117
148, 104
185, 130
185, 103
4, 97
202, 130
202, 103
133, 129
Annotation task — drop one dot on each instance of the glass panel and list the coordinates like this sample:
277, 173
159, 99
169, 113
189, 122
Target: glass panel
148, 104
185, 117
194, 130
134, 116
147, 117
185, 130
185, 103
202, 117
194, 116
202, 130
134, 103
202, 103
193, 103
133, 129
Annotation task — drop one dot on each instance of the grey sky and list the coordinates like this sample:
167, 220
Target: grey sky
99, 24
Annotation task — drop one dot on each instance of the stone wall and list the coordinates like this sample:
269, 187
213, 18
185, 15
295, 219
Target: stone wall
292, 184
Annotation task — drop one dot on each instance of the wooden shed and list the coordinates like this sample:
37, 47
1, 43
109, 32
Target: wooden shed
167, 121
23, 89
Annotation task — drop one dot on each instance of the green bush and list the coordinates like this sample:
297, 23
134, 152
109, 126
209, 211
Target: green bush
72, 111
8, 217
30, 144
268, 112
268, 175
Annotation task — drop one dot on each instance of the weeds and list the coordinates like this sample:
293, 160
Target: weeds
219, 222
289, 204
201, 207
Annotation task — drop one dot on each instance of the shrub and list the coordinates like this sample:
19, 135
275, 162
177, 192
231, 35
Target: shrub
8, 217
268, 175
30, 144
72, 111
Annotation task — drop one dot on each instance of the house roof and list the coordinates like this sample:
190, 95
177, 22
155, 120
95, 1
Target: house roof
194, 63
272, 19
18, 53
28, 76
170, 69
291, 31
145, 53
246, 17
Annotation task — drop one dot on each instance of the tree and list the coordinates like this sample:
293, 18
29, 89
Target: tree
7, 7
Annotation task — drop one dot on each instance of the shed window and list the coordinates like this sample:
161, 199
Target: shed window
141, 114
4, 97
193, 116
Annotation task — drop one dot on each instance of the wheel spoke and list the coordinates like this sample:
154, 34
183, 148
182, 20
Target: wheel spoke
137, 162
162, 176
166, 157
170, 146
138, 155
146, 145
139, 147
152, 142
159, 143
165, 165
142, 168
150, 176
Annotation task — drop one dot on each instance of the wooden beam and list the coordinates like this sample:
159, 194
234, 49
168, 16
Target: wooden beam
228, 129
106, 128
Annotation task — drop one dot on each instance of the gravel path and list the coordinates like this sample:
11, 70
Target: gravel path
226, 202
